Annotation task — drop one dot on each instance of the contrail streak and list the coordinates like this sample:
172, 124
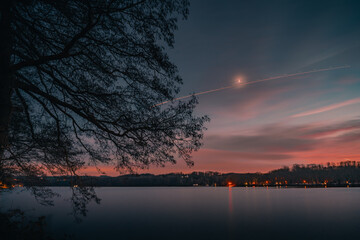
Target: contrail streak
256, 81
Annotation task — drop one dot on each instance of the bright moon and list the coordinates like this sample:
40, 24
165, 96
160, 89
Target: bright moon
240, 81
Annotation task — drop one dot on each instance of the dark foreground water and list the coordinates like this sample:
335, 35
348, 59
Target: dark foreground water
202, 213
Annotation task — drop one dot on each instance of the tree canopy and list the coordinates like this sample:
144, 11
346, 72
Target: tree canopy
79, 83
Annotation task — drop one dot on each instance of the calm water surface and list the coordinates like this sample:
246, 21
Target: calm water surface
203, 213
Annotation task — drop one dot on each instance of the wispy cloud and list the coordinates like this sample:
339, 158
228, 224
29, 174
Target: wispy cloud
279, 139
327, 108
265, 143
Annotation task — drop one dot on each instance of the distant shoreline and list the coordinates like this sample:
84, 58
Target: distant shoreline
344, 174
172, 186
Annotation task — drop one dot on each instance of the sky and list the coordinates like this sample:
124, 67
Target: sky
312, 118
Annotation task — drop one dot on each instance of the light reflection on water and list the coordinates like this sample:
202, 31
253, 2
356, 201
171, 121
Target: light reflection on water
204, 213
230, 201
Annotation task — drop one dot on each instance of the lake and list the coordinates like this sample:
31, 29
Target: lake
201, 213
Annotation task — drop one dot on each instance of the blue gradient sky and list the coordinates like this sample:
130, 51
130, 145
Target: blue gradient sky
313, 118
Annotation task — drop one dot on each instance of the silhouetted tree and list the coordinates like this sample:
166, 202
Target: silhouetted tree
80, 80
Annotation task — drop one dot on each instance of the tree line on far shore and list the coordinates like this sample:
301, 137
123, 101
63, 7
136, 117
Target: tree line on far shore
331, 174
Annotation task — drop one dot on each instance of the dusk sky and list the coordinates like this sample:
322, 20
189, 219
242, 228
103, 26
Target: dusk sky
100, 138
311, 118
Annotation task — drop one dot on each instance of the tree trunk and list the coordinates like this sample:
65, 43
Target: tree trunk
5, 74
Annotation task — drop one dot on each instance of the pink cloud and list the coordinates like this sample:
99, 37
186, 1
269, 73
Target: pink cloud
331, 132
327, 108
349, 80
268, 147
254, 104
